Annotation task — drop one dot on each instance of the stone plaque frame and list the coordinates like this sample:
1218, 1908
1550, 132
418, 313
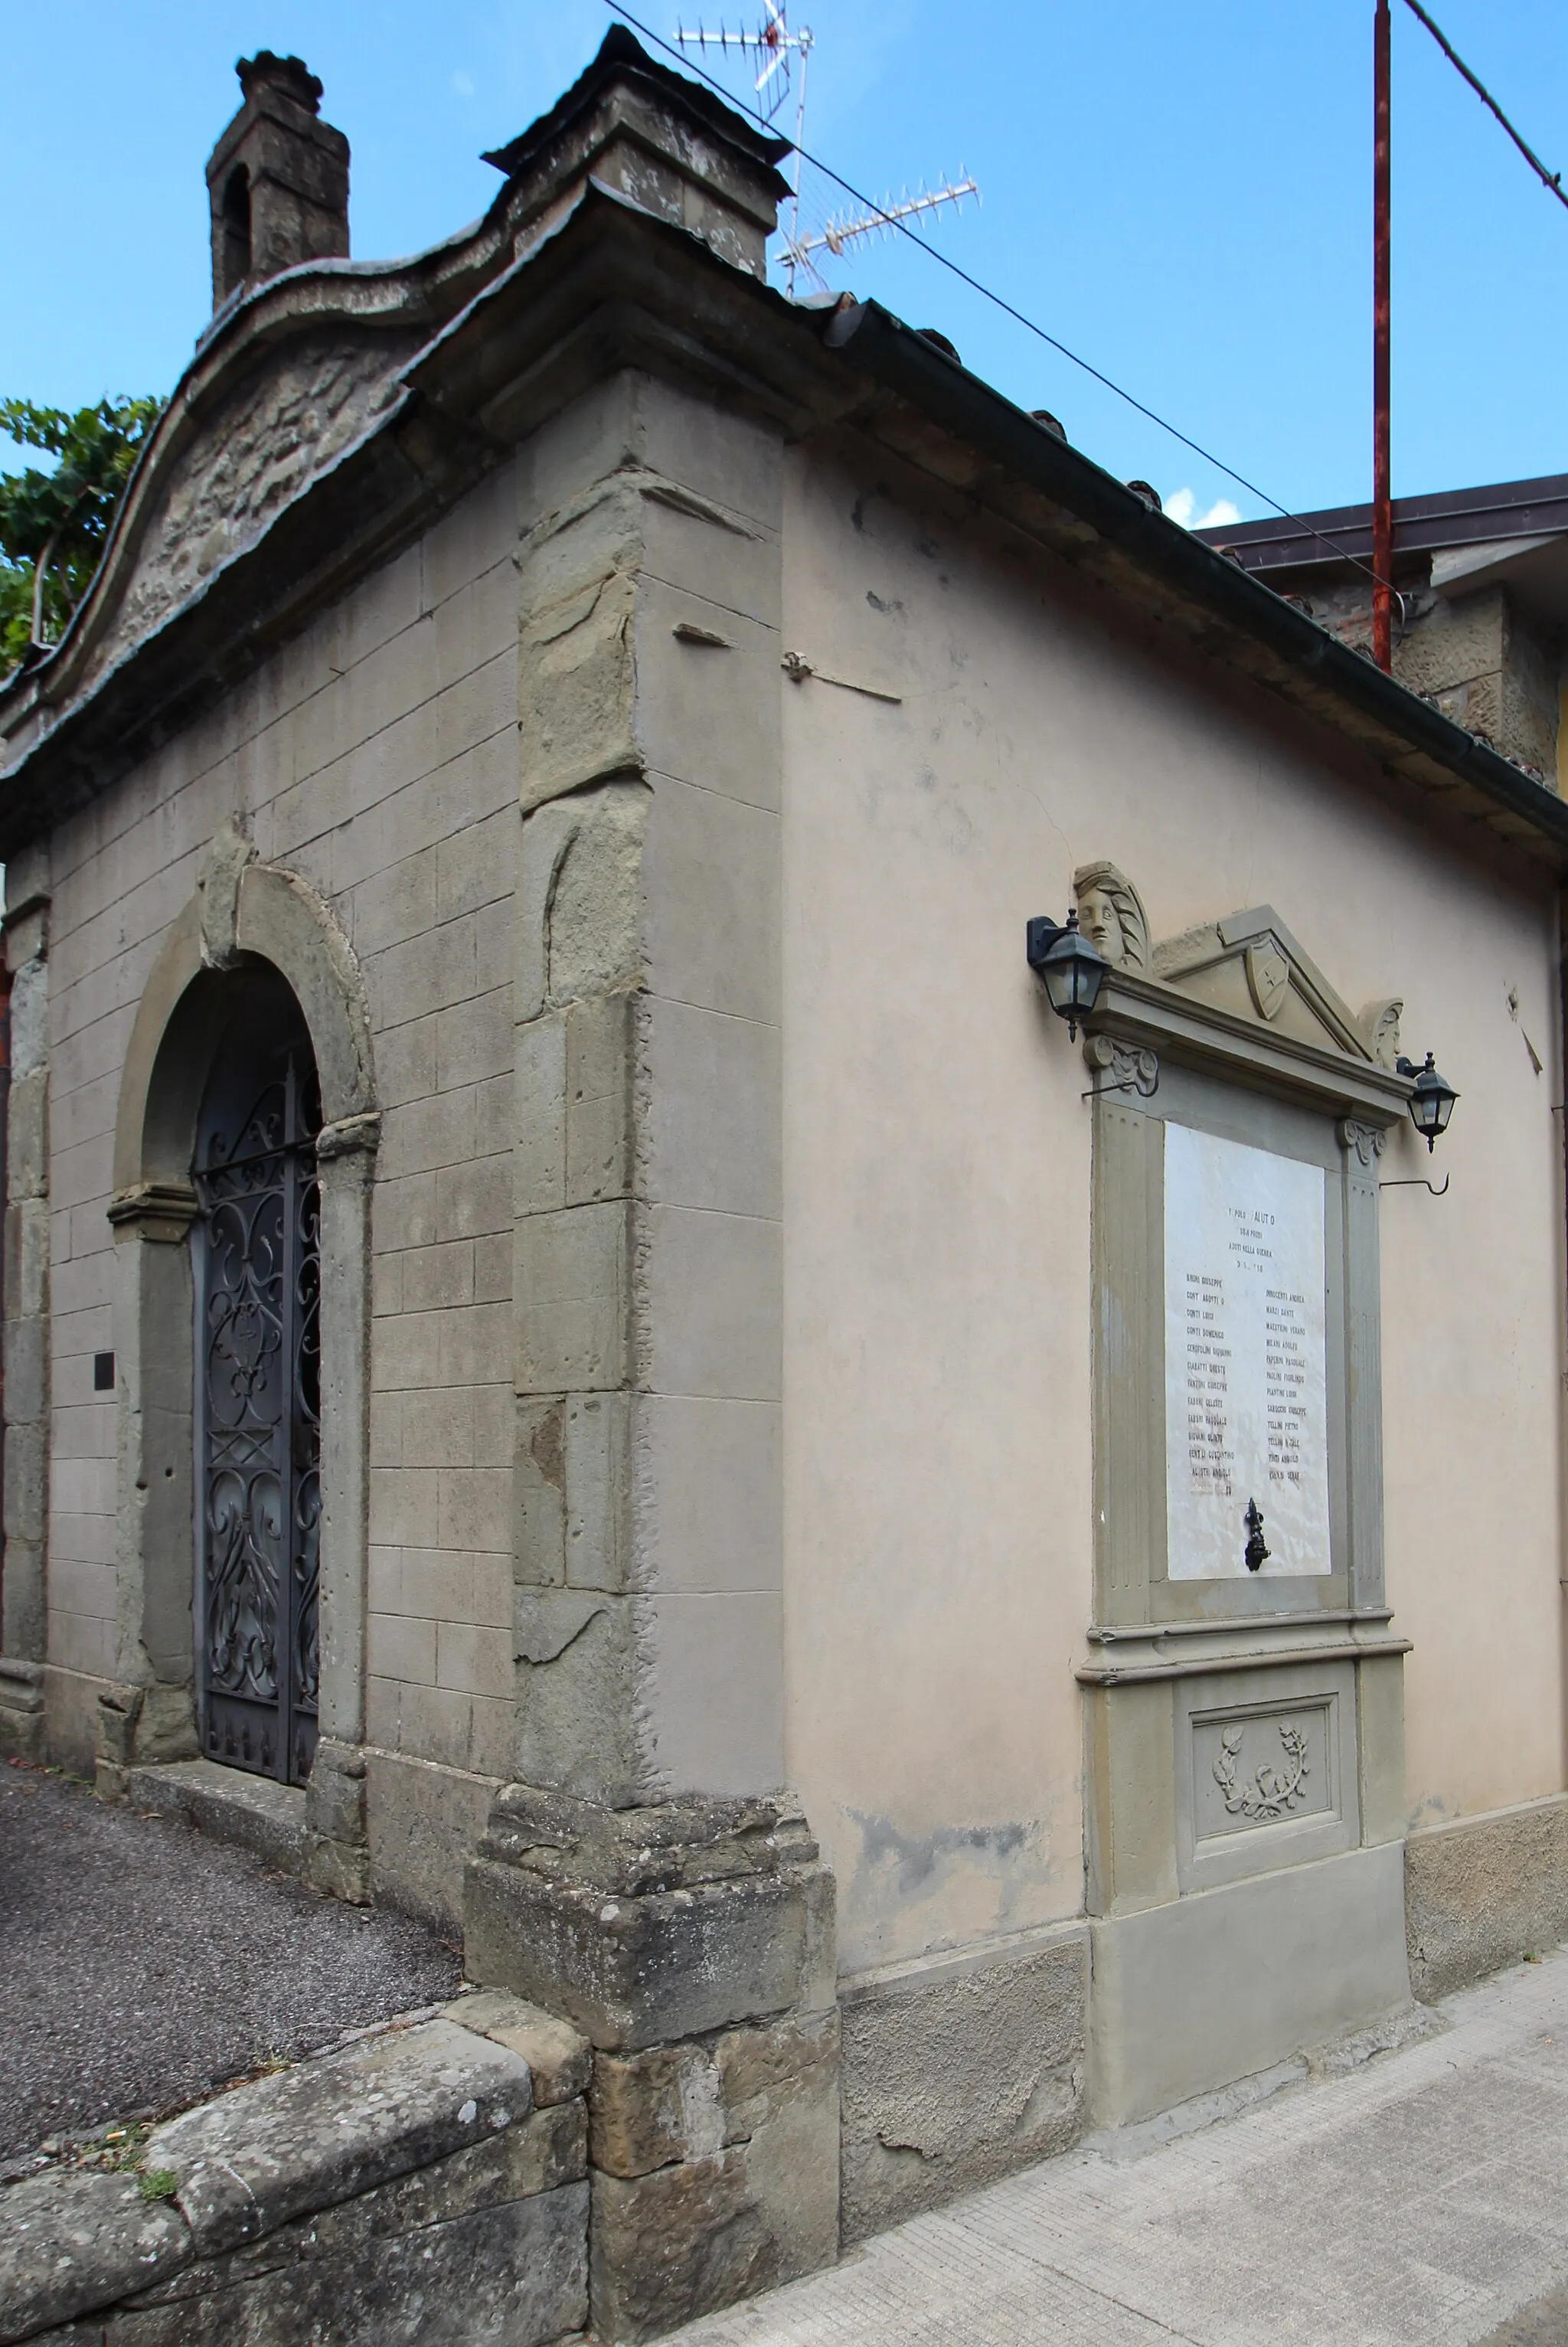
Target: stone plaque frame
1220, 1936
1323, 1100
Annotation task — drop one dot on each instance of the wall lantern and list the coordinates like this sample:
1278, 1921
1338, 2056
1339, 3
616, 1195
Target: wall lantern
1432, 1101
1072, 972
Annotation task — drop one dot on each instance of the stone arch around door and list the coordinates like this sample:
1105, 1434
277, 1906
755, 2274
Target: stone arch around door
244, 915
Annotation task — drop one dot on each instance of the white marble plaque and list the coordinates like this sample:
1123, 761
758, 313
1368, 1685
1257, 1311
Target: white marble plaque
1246, 1383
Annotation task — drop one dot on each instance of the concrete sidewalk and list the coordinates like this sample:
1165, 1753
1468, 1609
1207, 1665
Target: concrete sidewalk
1421, 2200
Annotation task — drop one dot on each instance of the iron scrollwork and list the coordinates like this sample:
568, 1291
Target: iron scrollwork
261, 1466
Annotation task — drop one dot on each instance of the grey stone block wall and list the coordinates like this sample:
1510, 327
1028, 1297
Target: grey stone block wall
1484, 1892
1481, 659
376, 758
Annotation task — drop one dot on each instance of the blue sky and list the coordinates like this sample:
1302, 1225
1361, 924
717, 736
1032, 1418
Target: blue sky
1182, 194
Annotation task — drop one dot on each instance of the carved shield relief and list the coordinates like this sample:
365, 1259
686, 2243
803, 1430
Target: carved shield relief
1267, 977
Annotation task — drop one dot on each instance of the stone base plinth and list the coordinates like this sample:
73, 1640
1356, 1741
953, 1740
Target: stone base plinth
960, 2069
1203, 1990
21, 1710
692, 1944
1484, 1892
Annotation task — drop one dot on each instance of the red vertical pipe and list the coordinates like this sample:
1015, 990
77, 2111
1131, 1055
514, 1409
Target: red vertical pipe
1382, 500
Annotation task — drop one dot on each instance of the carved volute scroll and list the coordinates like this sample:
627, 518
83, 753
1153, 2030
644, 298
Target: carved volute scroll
1364, 1142
1120, 1068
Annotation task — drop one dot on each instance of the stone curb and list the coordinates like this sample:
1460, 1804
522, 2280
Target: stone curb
71, 2241
327, 2131
332, 2130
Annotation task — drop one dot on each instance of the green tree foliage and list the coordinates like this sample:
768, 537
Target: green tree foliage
54, 524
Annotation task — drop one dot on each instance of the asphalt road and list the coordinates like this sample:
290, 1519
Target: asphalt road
142, 1964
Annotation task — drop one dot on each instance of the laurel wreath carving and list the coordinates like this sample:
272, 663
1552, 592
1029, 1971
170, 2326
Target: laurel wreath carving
1270, 1792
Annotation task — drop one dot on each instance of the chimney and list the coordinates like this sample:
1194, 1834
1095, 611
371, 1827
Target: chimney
665, 142
277, 179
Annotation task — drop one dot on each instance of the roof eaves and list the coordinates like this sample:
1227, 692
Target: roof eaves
1412, 733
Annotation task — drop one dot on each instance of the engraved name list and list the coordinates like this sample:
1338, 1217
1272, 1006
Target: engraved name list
1246, 1358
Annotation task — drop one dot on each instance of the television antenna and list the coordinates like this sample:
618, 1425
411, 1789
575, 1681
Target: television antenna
778, 51
843, 228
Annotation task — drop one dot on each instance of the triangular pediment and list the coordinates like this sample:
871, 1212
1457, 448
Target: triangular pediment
1250, 966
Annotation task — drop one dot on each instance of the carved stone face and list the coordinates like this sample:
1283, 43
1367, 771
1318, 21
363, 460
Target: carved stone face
1102, 924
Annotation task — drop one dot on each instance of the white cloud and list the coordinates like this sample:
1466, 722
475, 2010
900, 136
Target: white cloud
1183, 507
463, 84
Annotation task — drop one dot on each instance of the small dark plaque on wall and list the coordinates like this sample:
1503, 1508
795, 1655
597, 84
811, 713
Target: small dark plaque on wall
103, 1373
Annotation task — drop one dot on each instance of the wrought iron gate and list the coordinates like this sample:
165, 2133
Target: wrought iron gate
259, 1410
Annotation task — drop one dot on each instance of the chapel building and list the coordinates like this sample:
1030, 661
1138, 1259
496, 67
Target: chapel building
587, 1350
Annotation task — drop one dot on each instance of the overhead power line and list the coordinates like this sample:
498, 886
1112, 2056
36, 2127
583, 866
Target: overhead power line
1551, 181
999, 302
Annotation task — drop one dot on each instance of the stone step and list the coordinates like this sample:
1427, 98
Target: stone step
255, 1812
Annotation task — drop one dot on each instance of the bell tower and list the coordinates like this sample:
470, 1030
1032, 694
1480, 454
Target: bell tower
277, 179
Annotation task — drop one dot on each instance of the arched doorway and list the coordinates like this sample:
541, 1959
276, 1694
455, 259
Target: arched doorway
257, 1385
253, 964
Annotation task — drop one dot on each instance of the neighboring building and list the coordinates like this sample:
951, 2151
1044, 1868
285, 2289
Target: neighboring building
1482, 579
543, 1189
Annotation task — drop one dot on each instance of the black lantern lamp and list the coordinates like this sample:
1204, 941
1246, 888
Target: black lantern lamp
1431, 1102
1071, 970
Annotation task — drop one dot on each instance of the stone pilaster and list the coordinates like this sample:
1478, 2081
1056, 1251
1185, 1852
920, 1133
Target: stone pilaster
26, 1300
148, 1714
648, 1262
648, 1278
338, 1854
646, 1878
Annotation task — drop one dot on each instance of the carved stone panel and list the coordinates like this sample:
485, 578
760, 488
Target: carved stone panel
1266, 1770
1257, 1768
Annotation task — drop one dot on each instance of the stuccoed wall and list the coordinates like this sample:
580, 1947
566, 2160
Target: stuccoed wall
376, 756
937, 1509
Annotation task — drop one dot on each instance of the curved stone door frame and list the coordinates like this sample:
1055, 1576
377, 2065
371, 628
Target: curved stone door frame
241, 910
